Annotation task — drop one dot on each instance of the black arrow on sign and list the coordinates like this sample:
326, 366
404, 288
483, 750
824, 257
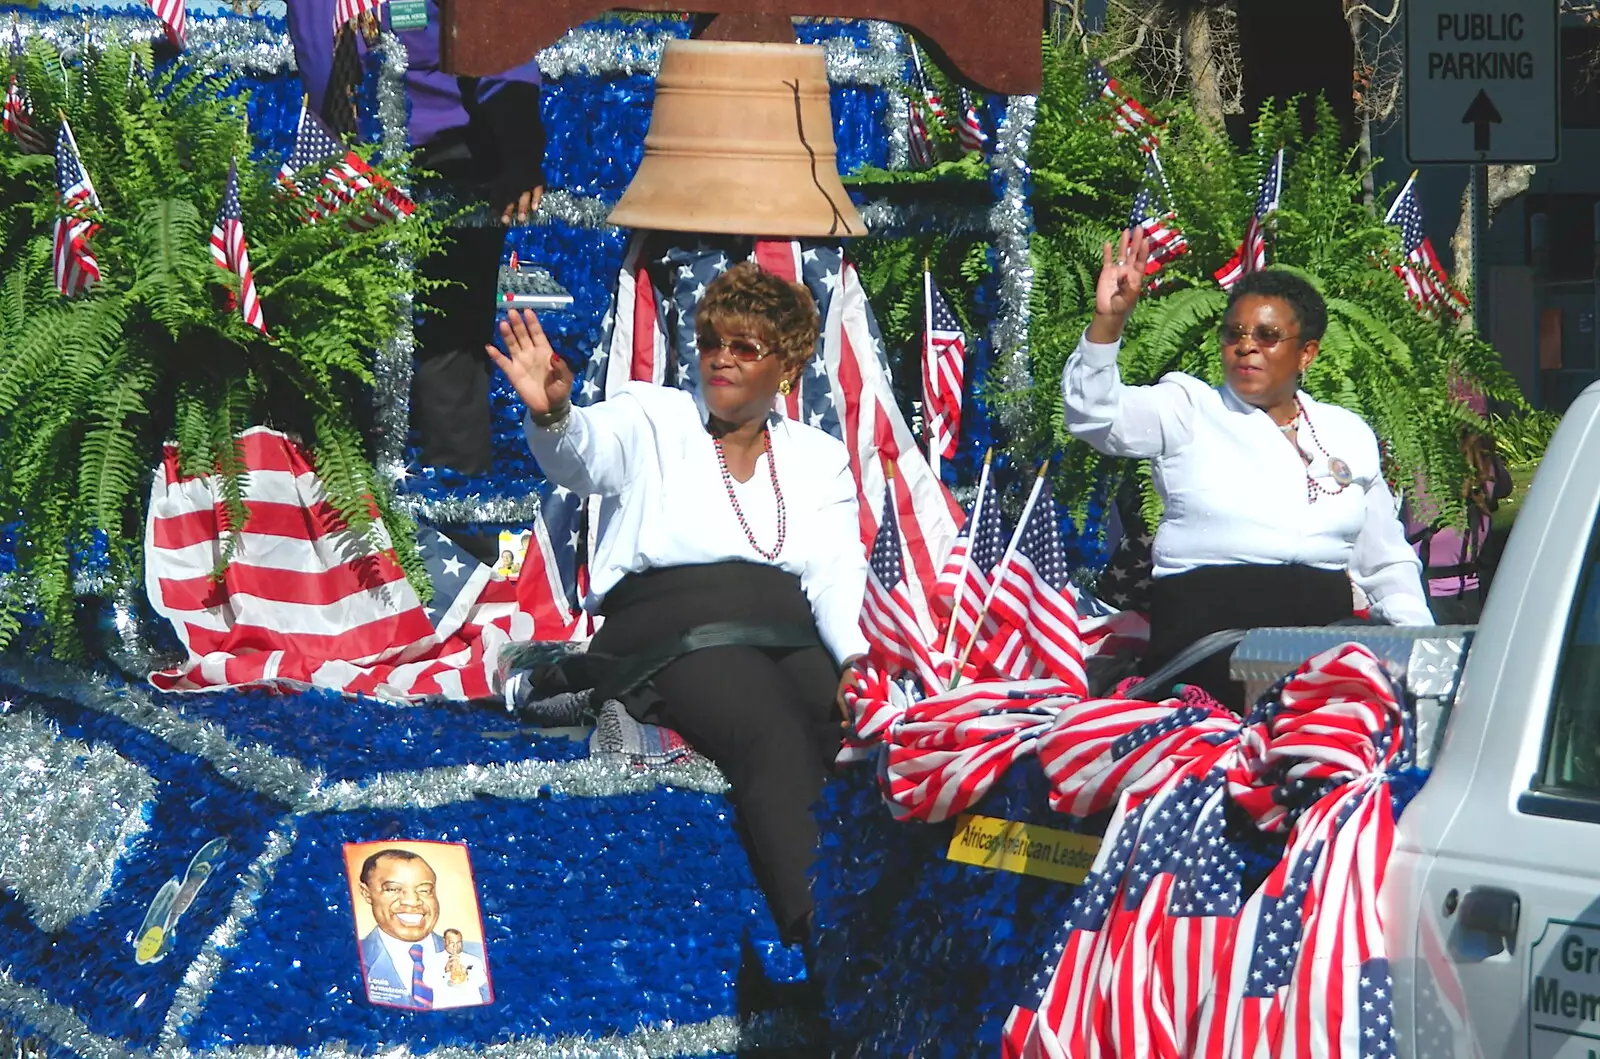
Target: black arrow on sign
1480, 115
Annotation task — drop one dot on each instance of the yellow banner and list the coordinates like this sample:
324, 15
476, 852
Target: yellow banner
1027, 849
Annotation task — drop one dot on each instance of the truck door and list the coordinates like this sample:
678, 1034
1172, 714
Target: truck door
1507, 838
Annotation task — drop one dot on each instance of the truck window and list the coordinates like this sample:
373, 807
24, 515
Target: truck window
1572, 740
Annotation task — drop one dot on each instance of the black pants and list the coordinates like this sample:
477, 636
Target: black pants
765, 717
450, 390
1187, 606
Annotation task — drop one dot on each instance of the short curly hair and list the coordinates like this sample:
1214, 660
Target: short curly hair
1310, 311
749, 299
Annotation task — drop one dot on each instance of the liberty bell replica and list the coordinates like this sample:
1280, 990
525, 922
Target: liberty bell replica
740, 143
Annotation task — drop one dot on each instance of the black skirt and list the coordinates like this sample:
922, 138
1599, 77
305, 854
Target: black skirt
1187, 606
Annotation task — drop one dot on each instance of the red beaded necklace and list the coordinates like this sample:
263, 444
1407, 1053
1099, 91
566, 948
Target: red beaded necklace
1314, 488
733, 498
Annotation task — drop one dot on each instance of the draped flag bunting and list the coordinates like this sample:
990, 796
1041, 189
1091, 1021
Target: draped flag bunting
1153, 212
944, 371
231, 254
18, 118
303, 604
1423, 274
1126, 112
1163, 953
75, 265
1252, 253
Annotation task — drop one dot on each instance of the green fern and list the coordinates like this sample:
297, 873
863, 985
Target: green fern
91, 387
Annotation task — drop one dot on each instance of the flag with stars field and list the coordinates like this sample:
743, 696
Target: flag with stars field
299, 607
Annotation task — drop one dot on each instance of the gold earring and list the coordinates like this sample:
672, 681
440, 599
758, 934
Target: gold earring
784, 387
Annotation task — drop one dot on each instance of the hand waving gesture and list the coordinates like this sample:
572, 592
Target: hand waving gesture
542, 379
1121, 280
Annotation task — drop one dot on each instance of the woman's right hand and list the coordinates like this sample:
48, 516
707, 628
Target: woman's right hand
1120, 283
542, 379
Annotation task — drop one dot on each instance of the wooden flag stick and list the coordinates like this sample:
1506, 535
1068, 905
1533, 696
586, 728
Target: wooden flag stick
1011, 549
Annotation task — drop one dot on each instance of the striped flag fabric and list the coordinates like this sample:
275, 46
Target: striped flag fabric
172, 15
925, 85
918, 141
944, 370
548, 586
1032, 625
345, 10
231, 253
1252, 253
313, 146
1153, 212
895, 637
1126, 112
304, 604
75, 266
969, 129
18, 118
1424, 276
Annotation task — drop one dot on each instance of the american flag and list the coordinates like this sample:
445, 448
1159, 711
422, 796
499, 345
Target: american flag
345, 10
313, 145
1153, 212
1159, 955
944, 369
845, 390
925, 85
171, 14
1423, 274
548, 585
1252, 253
75, 265
965, 579
18, 115
918, 141
303, 604
346, 179
230, 253
1032, 626
895, 637
969, 130
1126, 111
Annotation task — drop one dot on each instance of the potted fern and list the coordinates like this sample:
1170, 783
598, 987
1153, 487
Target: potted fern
92, 385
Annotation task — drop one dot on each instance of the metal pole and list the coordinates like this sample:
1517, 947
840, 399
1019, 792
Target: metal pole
1480, 234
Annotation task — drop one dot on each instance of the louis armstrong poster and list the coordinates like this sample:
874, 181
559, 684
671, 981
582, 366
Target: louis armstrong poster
419, 932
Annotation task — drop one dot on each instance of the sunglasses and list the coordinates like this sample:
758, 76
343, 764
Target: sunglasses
1263, 334
745, 349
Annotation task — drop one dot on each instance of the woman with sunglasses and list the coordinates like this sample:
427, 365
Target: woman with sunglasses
729, 567
1273, 502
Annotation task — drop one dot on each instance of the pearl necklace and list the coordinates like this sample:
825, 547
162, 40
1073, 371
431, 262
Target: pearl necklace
733, 498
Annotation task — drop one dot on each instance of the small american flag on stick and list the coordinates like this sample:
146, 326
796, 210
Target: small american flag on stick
969, 130
343, 182
944, 368
229, 251
1423, 274
18, 117
1126, 111
1252, 253
172, 15
75, 265
1153, 212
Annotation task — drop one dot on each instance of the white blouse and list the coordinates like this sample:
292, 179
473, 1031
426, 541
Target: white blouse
1234, 490
645, 452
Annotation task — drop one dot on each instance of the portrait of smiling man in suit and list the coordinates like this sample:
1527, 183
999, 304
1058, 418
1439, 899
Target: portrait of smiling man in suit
402, 949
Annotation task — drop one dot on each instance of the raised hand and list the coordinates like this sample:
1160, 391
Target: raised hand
542, 379
1120, 283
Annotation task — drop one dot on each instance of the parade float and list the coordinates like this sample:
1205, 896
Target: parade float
192, 866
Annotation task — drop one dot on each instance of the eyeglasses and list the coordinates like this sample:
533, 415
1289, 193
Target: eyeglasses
745, 349
1264, 335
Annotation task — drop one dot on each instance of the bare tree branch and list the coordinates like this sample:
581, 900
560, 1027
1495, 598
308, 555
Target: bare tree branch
1353, 7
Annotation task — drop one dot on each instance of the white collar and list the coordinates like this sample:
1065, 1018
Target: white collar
400, 951
1234, 403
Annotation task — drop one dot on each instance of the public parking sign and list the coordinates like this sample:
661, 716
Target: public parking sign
1482, 81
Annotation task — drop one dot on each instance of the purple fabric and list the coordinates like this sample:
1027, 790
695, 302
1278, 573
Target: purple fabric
435, 96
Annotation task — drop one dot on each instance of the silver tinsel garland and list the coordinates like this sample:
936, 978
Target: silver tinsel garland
247, 45
304, 789
1012, 222
391, 392
68, 812
34, 1009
